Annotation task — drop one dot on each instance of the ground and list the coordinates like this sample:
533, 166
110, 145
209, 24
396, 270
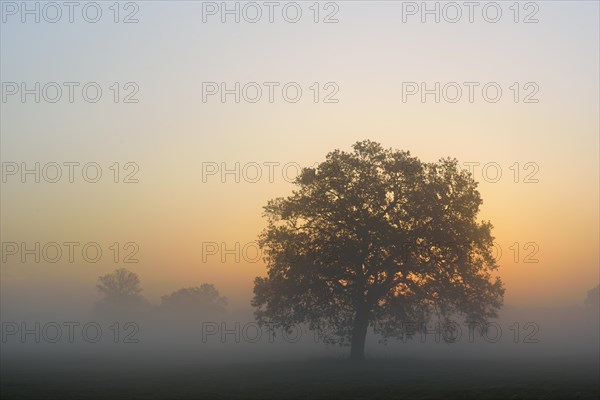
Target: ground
553, 378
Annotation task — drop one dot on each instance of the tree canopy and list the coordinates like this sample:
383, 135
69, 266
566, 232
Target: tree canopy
376, 237
203, 300
121, 290
592, 300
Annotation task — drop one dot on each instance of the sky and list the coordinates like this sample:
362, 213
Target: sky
544, 203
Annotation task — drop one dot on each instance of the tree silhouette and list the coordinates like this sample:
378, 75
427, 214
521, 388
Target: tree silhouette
375, 237
203, 300
121, 290
592, 300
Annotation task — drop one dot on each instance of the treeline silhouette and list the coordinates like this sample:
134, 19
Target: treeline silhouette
121, 295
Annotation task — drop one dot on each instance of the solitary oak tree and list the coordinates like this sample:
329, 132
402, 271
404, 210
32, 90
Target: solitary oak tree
376, 238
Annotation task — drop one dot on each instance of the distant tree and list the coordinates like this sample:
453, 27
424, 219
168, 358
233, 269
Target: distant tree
375, 237
592, 299
201, 301
121, 291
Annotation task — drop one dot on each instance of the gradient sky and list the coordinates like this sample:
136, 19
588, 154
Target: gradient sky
369, 53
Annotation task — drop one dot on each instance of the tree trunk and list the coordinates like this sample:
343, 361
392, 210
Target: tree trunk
359, 334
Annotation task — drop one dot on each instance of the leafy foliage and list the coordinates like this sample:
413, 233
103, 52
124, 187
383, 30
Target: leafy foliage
204, 300
121, 290
375, 237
